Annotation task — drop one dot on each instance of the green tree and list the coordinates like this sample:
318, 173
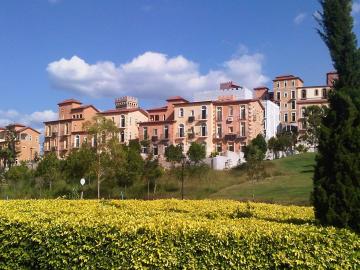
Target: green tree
260, 142
336, 194
48, 170
174, 154
196, 152
152, 171
135, 164
273, 146
313, 116
19, 179
104, 133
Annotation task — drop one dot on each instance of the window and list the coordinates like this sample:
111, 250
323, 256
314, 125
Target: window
230, 129
192, 113
293, 94
65, 144
218, 130
285, 117
242, 147
122, 136
164, 117
293, 105
122, 120
303, 112
219, 113
155, 150
285, 105
66, 128
303, 94
219, 147
157, 117
293, 82
242, 129
231, 146
278, 84
155, 133
80, 115
203, 112
203, 130
145, 133
181, 131
30, 138
166, 132
77, 141
278, 95
316, 92
324, 93
285, 95
243, 112
285, 83
113, 119
231, 110
181, 112
293, 117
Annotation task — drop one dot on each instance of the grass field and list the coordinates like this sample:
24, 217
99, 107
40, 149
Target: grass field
289, 182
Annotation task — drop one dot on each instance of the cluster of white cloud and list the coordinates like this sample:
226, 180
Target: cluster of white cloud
34, 119
152, 75
300, 18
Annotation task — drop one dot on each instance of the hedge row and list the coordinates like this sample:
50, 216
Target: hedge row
169, 234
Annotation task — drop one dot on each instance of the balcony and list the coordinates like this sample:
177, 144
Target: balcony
218, 136
76, 145
191, 136
164, 137
241, 136
202, 134
54, 134
191, 119
202, 117
180, 135
230, 137
154, 138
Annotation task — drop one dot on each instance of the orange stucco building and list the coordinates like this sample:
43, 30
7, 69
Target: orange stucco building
27, 142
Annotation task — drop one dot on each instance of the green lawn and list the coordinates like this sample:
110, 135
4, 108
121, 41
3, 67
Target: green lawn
289, 182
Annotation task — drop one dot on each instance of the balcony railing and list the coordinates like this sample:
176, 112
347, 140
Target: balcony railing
202, 117
154, 138
230, 137
202, 134
164, 137
191, 136
180, 135
191, 119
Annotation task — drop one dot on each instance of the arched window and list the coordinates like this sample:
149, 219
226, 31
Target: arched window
303, 93
181, 131
203, 112
77, 141
122, 136
122, 120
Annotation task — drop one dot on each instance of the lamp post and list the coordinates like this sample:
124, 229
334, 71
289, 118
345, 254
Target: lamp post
82, 182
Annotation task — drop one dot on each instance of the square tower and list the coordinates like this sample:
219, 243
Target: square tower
126, 102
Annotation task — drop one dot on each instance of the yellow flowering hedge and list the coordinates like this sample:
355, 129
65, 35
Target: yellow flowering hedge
169, 234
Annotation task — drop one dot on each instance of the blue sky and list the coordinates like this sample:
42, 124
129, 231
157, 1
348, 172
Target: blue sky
96, 50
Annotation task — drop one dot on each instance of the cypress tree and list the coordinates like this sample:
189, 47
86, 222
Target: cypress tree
336, 194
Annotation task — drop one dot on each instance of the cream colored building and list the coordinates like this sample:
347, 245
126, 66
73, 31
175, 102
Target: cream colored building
27, 143
126, 117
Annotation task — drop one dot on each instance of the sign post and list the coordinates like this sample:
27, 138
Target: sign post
82, 182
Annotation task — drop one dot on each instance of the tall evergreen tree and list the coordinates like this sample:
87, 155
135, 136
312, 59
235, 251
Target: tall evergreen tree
336, 194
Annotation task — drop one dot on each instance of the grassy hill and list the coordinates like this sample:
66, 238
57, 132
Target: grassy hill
289, 182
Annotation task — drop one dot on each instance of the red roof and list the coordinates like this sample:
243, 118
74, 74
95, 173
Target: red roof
114, 111
66, 101
157, 109
25, 128
16, 125
286, 77
261, 88
174, 98
84, 107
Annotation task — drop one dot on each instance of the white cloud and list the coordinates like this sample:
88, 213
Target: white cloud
152, 75
317, 15
355, 7
300, 18
34, 119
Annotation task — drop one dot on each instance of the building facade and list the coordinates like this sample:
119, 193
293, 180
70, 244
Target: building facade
285, 95
27, 142
127, 116
68, 132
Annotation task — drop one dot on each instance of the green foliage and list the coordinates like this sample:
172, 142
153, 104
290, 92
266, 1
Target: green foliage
313, 116
49, 171
174, 153
336, 194
151, 172
196, 152
169, 234
260, 142
301, 148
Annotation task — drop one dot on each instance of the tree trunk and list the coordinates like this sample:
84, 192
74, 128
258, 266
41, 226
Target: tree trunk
148, 189
98, 186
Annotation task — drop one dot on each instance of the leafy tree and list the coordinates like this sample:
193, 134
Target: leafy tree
104, 133
135, 164
152, 171
19, 179
196, 152
255, 168
336, 194
174, 154
260, 142
273, 146
48, 170
313, 116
